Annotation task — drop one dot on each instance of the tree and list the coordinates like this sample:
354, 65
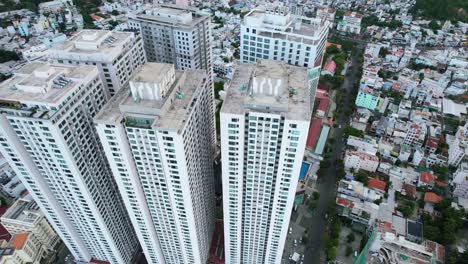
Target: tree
349, 251
331, 254
333, 49
383, 52
362, 176
218, 86
351, 131
453, 10
6, 55
115, 12
315, 195
434, 25
350, 238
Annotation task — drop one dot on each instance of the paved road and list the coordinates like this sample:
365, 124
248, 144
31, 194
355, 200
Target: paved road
327, 184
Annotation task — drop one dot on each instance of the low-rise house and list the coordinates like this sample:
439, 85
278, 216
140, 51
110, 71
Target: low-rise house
351, 23
426, 179
329, 69
377, 184
387, 247
358, 160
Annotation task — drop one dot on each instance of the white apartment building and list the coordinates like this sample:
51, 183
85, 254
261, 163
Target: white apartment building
24, 216
458, 146
48, 138
117, 55
159, 140
326, 13
367, 144
265, 119
415, 134
179, 35
360, 161
460, 178
351, 23
273, 33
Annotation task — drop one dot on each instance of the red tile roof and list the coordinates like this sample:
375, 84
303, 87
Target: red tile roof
376, 183
314, 132
330, 66
432, 142
427, 177
323, 105
432, 197
441, 184
18, 240
323, 87
344, 202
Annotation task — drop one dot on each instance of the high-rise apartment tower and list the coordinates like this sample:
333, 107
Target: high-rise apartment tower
159, 138
48, 137
264, 124
180, 35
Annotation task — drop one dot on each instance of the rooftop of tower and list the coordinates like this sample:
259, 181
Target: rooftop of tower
158, 95
88, 41
173, 15
42, 83
277, 22
269, 86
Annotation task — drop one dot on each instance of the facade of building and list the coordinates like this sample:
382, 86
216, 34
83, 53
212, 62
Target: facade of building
117, 55
415, 134
180, 35
265, 119
159, 140
23, 248
326, 13
48, 138
273, 33
24, 216
361, 161
460, 179
351, 23
458, 146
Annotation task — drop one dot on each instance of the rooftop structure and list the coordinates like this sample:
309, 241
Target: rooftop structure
389, 248
24, 216
23, 211
116, 54
272, 32
270, 86
43, 86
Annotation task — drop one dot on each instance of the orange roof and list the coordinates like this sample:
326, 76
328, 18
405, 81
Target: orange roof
427, 177
441, 184
376, 183
96, 17
18, 240
432, 197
